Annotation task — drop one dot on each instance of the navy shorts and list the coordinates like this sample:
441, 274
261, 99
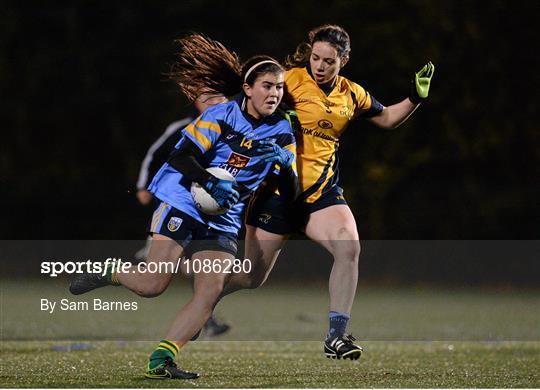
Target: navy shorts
271, 213
189, 233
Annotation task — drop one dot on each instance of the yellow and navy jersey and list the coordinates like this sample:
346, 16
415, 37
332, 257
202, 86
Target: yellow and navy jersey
323, 118
228, 139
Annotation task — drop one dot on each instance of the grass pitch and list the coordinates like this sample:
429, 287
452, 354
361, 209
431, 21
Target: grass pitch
411, 337
278, 364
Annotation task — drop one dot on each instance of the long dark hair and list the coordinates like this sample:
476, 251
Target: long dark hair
331, 33
204, 65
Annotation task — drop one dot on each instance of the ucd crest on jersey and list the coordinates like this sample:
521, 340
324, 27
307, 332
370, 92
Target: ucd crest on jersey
174, 224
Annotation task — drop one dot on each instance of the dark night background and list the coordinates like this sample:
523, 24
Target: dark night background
84, 95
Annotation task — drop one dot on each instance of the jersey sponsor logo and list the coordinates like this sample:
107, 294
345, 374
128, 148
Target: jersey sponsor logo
316, 133
238, 160
327, 105
232, 170
174, 224
235, 163
347, 111
325, 124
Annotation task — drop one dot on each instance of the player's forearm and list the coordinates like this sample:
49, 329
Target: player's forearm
184, 160
394, 115
288, 184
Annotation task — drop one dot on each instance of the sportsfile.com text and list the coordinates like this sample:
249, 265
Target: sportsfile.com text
55, 268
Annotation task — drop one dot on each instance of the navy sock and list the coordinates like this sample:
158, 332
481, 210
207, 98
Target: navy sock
338, 323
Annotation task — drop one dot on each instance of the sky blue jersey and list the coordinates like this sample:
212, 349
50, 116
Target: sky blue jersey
228, 138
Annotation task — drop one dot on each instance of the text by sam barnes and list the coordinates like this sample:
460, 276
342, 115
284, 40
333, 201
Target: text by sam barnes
96, 305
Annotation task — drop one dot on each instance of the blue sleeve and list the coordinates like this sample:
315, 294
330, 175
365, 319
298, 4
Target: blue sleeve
375, 109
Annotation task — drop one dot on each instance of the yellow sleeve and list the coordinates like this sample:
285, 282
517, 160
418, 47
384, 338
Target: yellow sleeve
361, 99
203, 131
293, 79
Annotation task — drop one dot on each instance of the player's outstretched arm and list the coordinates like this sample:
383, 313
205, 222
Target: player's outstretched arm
393, 116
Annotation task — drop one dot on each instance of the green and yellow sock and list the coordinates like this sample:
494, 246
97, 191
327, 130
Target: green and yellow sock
111, 274
165, 349
114, 279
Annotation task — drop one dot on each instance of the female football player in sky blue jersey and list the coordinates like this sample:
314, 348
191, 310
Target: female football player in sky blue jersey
245, 136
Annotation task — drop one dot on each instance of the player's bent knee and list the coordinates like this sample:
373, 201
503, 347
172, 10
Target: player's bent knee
149, 292
346, 233
353, 250
346, 250
210, 291
152, 288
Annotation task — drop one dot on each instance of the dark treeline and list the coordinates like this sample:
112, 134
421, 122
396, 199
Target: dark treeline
84, 95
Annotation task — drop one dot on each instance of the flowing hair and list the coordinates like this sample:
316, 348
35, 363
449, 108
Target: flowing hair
333, 34
204, 65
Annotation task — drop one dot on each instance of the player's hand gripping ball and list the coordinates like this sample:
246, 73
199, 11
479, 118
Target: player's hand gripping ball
218, 195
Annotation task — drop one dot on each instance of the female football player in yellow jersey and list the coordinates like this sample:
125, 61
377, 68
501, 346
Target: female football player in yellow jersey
325, 103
